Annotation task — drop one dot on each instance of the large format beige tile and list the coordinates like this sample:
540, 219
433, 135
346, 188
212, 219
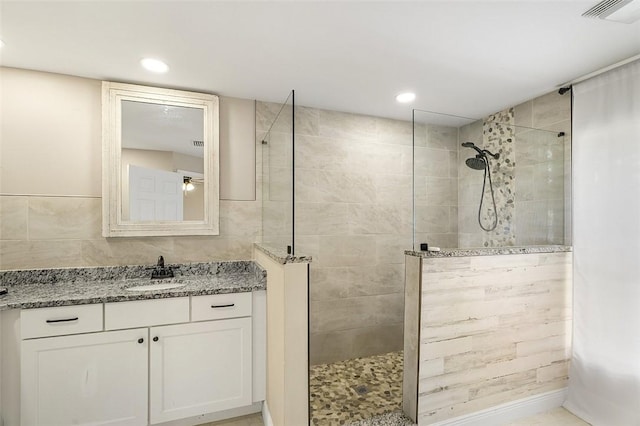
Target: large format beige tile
356, 312
330, 283
41, 254
347, 126
321, 219
551, 108
334, 346
344, 250
57, 218
13, 217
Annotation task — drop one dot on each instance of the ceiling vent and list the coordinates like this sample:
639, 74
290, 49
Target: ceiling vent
625, 11
198, 143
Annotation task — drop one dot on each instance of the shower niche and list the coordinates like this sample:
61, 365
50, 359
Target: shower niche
488, 182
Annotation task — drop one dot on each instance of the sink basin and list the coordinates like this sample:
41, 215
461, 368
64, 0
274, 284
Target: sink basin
155, 287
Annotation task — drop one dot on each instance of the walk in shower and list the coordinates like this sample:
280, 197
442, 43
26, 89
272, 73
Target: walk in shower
361, 190
488, 182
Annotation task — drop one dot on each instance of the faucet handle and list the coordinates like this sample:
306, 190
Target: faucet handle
161, 262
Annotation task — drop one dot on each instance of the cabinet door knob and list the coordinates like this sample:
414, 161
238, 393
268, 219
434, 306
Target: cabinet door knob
141, 340
155, 339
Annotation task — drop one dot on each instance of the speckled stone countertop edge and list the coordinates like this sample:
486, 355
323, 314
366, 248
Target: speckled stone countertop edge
280, 256
490, 251
46, 287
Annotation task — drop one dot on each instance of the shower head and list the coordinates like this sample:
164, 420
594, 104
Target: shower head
481, 152
477, 163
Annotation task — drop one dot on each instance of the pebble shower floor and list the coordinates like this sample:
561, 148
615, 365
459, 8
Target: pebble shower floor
358, 391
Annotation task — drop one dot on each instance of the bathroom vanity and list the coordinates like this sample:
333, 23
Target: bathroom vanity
109, 345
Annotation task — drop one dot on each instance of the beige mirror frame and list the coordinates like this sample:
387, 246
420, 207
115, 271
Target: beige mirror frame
113, 224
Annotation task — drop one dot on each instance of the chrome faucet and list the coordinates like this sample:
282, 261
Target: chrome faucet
160, 271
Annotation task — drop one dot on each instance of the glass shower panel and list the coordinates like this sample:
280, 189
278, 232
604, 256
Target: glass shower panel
504, 185
278, 138
435, 178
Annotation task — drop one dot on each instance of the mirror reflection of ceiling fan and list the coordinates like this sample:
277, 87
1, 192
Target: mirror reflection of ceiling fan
190, 179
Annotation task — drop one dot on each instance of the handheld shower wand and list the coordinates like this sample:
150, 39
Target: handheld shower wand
481, 162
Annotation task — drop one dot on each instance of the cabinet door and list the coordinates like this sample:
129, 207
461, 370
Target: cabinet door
199, 368
85, 379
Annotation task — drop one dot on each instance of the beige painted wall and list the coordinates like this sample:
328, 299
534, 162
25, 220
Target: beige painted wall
50, 181
50, 134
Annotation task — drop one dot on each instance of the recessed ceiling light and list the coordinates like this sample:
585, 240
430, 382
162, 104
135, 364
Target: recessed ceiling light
154, 65
406, 97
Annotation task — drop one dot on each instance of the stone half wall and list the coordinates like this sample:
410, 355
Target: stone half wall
493, 329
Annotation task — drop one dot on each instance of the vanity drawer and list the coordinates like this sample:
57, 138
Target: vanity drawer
145, 313
60, 320
220, 306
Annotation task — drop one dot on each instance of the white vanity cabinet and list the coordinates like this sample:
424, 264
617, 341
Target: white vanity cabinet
95, 378
199, 368
141, 362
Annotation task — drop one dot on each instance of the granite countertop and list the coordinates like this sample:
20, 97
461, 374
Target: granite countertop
281, 256
75, 286
489, 251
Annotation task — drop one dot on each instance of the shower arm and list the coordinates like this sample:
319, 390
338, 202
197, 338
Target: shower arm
486, 151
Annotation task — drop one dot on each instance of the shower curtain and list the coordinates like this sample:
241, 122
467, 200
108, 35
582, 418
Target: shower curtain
604, 379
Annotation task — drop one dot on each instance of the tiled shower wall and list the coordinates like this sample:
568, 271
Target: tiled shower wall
54, 232
353, 215
531, 179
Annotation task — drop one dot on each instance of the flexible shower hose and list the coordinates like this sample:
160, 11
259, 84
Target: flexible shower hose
487, 172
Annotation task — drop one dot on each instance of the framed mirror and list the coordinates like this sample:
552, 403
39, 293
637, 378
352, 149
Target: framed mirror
160, 161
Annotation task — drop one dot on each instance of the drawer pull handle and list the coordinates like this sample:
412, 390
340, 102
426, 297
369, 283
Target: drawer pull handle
62, 320
230, 305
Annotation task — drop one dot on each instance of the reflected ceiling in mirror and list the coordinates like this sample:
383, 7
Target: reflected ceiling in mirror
163, 128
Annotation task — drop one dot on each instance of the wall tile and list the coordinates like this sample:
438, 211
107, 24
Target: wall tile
434, 219
551, 108
390, 248
523, 116
321, 153
393, 189
341, 250
431, 162
356, 312
329, 283
13, 217
346, 187
379, 219
40, 254
442, 191
307, 121
354, 343
498, 325
321, 219
396, 132
64, 218
347, 126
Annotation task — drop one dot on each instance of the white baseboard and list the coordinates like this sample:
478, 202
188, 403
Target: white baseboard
511, 411
266, 415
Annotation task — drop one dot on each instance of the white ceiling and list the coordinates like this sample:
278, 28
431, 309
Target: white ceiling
462, 58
